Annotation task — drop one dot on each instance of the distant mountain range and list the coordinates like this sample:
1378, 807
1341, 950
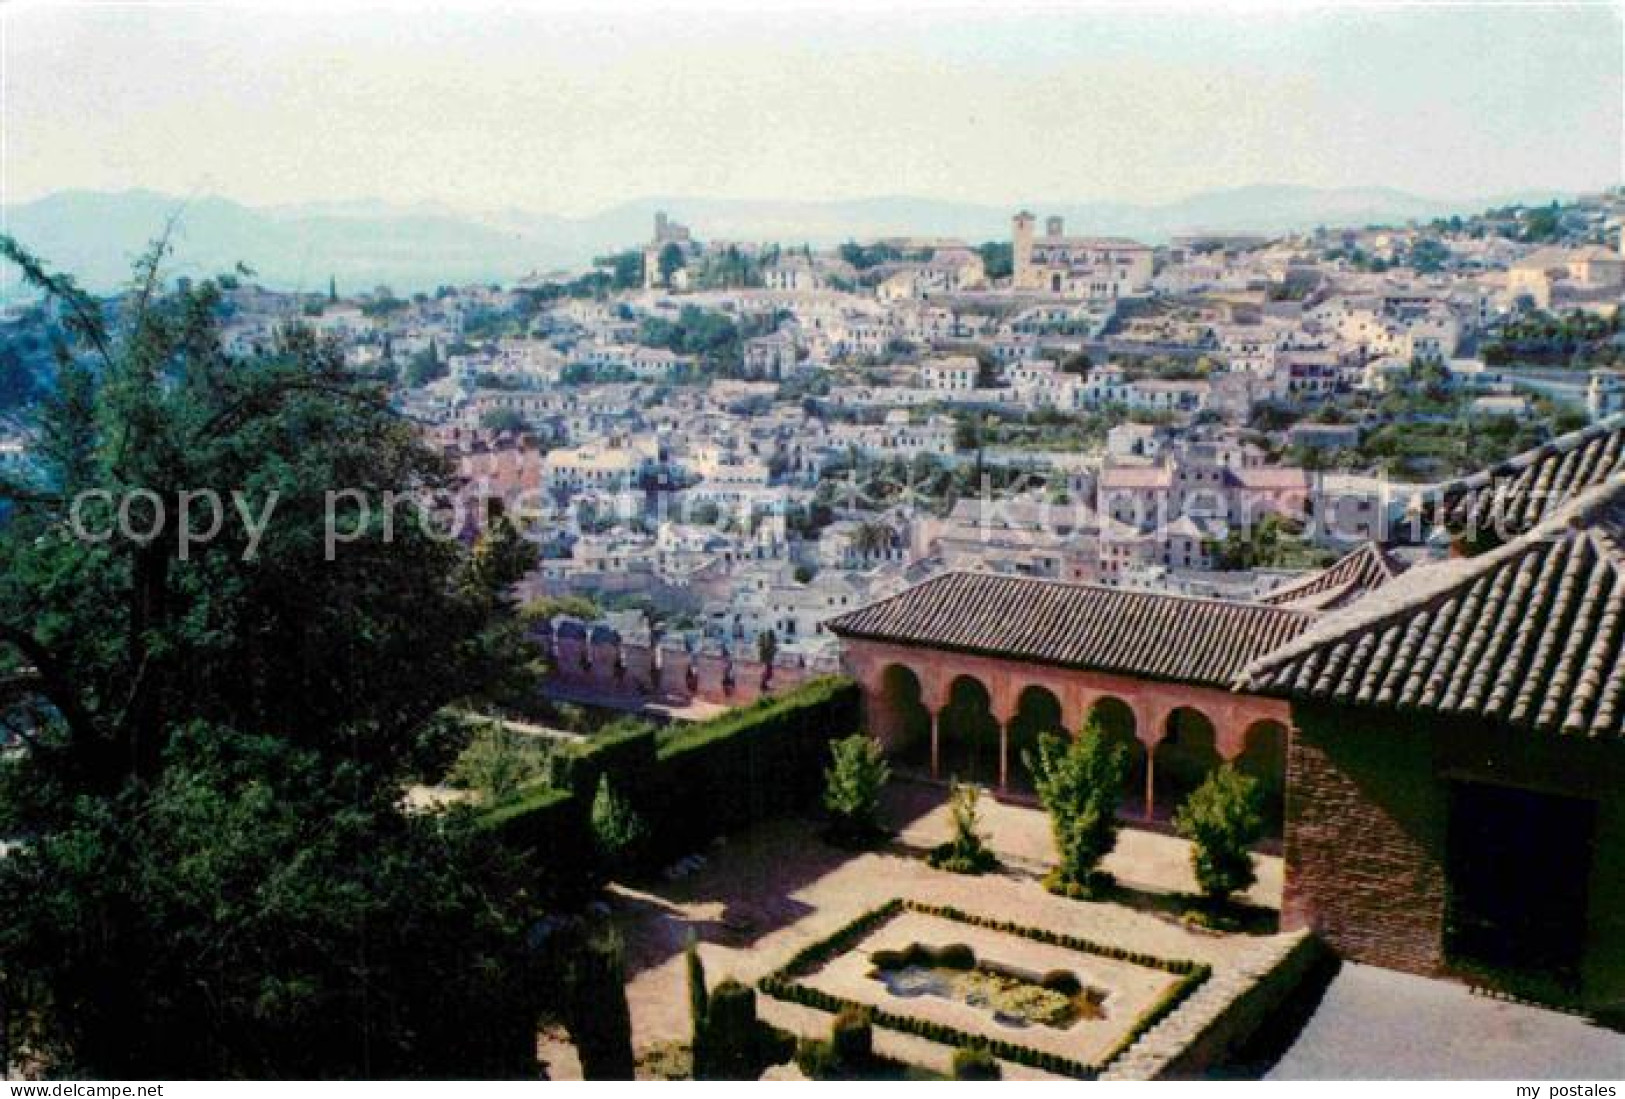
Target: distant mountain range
364, 243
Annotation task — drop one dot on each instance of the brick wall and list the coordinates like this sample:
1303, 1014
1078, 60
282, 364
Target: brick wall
1367, 811
1365, 841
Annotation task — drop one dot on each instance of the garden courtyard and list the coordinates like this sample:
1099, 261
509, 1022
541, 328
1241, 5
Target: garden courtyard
772, 891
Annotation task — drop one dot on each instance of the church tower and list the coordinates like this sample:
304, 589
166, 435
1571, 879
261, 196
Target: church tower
1021, 250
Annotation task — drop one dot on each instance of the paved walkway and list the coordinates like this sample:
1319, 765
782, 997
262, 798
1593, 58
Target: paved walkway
585, 694
1378, 1024
1144, 860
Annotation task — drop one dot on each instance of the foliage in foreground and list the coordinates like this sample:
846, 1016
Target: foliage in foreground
212, 873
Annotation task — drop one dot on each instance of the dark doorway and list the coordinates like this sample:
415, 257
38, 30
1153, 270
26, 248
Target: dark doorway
1519, 862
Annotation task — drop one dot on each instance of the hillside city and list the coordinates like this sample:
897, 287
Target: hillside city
1052, 657
725, 444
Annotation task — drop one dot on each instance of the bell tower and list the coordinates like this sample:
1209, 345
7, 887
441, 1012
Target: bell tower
1021, 250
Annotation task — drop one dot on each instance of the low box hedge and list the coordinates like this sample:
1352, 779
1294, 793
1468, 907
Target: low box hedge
784, 984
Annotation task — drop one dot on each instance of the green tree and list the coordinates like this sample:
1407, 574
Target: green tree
1222, 819
767, 646
998, 257
504, 419
852, 786
1077, 363
548, 608
1543, 223
617, 828
872, 537
1079, 781
424, 367
213, 875
590, 975
968, 433
498, 761
671, 262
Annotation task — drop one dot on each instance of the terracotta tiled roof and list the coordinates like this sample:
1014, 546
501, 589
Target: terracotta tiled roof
1347, 579
1512, 497
1531, 633
1136, 477
1079, 625
1277, 477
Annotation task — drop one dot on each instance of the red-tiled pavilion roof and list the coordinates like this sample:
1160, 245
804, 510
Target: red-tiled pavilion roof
1353, 575
1170, 637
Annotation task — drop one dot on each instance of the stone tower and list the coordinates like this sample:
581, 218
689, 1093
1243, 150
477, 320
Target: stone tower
1021, 250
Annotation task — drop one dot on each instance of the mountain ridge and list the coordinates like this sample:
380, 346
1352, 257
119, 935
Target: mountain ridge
366, 241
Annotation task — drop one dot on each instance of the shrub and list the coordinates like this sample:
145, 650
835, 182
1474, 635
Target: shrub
618, 831
815, 1058
852, 1036
1063, 981
1079, 782
595, 1008
749, 764
498, 760
1223, 818
623, 750
965, 853
975, 1063
738, 1045
889, 959
852, 788
698, 998
951, 956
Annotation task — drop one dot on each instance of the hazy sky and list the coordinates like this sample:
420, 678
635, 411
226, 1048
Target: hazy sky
571, 111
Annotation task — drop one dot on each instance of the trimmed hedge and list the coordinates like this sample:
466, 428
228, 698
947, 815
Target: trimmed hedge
975, 1063
690, 783
626, 755
554, 824
953, 956
784, 984
807, 996
750, 764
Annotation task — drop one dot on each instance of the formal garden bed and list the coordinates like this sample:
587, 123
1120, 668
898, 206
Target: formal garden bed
1030, 996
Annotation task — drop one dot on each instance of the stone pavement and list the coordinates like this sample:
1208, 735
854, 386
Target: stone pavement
1378, 1024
